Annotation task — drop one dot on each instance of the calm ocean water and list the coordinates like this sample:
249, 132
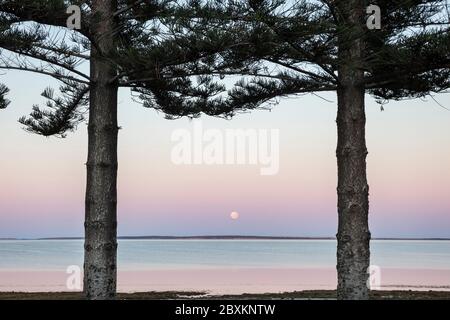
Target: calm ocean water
200, 254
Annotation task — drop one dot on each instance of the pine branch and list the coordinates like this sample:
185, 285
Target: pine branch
44, 12
55, 75
3, 101
63, 113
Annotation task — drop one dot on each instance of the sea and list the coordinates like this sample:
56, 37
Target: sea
224, 266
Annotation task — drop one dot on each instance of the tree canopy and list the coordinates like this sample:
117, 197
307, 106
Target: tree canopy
292, 47
169, 68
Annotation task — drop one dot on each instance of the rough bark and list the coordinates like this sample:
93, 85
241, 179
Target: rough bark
101, 191
353, 237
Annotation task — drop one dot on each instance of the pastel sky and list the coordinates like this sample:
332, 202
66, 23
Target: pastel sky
42, 180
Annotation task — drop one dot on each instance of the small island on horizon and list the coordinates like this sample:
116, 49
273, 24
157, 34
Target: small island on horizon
221, 237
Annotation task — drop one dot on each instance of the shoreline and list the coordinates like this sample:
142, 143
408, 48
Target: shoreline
200, 295
226, 281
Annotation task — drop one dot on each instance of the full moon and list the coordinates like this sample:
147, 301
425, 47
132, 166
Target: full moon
234, 215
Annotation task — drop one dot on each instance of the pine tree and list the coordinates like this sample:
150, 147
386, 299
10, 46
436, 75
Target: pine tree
310, 46
126, 43
157, 47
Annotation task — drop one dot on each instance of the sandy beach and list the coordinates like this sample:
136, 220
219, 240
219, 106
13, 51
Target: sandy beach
219, 281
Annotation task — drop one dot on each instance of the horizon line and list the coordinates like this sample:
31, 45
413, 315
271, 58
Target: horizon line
224, 237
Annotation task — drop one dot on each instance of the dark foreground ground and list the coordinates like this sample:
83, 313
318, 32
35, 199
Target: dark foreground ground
377, 295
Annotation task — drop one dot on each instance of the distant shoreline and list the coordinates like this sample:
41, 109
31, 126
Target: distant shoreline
221, 237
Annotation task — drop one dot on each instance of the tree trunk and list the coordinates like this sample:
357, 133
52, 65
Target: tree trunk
100, 267
353, 237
